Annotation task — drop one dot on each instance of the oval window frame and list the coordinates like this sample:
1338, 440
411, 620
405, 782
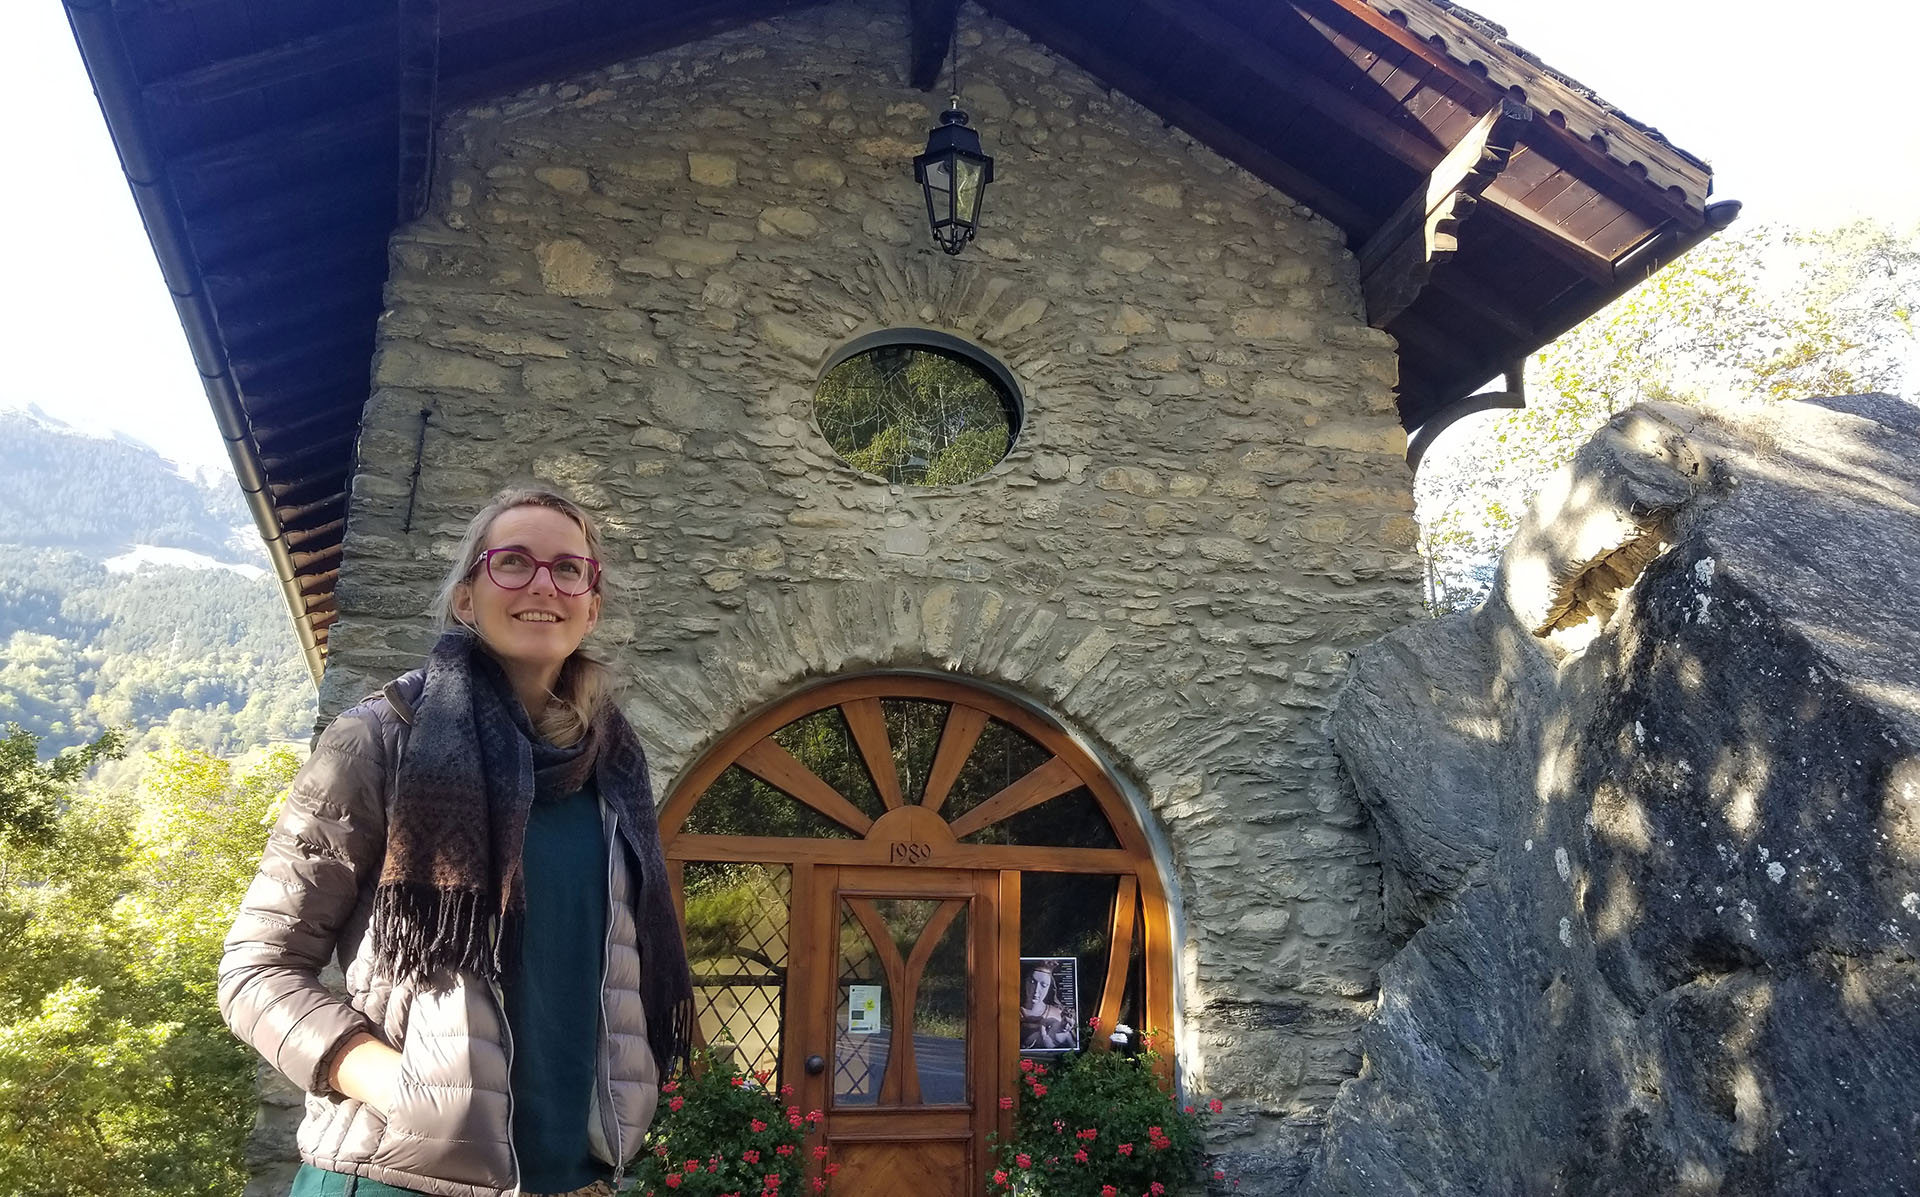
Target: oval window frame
915, 337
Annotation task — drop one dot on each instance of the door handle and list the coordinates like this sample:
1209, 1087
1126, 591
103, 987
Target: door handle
816, 1065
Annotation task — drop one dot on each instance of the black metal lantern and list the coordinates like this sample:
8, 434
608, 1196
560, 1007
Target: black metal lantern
954, 173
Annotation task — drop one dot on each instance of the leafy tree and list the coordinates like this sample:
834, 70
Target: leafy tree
1754, 316
116, 1075
31, 790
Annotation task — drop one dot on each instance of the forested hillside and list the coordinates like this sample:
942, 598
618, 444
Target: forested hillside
102, 496
207, 653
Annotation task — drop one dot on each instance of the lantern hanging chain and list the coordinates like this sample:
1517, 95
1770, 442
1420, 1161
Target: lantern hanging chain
953, 67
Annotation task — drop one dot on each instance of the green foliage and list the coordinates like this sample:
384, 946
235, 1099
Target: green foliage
1753, 316
720, 1133
116, 1074
1099, 1124
32, 790
198, 656
914, 416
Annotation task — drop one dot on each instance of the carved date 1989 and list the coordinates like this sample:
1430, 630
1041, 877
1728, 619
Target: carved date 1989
909, 852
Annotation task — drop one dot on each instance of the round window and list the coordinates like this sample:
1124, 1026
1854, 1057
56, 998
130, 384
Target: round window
926, 411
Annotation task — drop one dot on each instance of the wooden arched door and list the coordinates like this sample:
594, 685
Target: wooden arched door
872, 874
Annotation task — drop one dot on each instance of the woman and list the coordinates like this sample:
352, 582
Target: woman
477, 847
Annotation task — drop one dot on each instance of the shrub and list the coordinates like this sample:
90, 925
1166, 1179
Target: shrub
1099, 1124
722, 1134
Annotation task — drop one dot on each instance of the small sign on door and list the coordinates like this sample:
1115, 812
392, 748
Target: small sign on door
863, 1009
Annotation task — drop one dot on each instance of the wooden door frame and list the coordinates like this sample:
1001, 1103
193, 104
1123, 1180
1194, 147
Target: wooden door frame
814, 965
815, 863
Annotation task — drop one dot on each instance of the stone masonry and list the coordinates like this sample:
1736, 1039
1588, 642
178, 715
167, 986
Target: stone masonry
629, 283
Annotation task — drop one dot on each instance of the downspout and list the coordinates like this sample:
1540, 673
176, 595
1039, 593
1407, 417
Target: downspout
105, 55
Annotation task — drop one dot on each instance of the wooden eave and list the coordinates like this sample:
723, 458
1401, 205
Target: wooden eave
273, 146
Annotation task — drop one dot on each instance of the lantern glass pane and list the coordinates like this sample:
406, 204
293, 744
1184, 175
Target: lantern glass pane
940, 190
966, 207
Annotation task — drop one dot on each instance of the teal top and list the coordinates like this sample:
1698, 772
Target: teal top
553, 999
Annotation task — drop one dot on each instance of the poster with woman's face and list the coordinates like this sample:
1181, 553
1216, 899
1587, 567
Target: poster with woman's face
1049, 1004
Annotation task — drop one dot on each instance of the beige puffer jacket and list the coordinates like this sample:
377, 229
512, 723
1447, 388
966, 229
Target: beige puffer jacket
450, 1128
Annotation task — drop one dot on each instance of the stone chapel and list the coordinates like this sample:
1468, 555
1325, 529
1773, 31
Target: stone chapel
997, 599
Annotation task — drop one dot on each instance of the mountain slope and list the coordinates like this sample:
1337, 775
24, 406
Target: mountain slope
205, 653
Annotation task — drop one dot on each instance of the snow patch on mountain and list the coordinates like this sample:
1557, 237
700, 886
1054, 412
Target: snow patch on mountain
149, 554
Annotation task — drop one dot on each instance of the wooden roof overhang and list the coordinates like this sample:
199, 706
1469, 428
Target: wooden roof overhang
273, 146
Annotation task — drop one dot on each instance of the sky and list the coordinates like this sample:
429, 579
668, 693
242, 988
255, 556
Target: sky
1800, 116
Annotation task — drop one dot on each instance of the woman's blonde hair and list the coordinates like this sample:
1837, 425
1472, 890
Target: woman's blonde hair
585, 685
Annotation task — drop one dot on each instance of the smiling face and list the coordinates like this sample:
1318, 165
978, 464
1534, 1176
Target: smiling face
531, 631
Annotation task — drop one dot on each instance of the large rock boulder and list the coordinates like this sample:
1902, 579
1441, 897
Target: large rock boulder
1650, 827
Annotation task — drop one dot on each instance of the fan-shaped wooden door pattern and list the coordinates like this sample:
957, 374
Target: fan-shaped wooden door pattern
868, 838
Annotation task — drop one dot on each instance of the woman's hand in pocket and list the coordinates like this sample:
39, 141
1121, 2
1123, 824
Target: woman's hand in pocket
367, 1069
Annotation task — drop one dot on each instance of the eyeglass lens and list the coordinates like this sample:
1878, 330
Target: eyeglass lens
511, 569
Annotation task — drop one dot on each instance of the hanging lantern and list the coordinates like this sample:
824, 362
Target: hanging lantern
954, 173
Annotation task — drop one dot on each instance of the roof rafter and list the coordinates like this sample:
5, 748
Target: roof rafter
1399, 259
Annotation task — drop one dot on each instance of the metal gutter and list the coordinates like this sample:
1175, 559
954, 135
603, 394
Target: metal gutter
107, 62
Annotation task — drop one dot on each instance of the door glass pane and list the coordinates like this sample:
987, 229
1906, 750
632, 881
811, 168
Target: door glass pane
738, 803
877, 1061
1073, 820
823, 743
940, 1018
863, 1020
1000, 757
737, 921
1069, 916
913, 729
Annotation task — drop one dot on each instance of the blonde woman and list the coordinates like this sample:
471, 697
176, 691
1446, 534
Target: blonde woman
476, 846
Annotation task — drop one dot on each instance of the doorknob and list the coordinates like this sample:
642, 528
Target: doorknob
816, 1065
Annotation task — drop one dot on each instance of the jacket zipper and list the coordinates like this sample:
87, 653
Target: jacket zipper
610, 1124
506, 1041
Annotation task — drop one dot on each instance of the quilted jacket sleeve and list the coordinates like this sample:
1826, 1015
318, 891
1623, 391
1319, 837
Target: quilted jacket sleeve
330, 841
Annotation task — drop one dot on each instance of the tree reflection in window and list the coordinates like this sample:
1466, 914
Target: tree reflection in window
916, 415
737, 936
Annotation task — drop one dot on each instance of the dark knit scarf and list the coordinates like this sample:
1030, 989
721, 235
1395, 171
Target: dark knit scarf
451, 892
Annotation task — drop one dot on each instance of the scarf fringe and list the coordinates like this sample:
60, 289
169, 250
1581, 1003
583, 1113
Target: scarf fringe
419, 930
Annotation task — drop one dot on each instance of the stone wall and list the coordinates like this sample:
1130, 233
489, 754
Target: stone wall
629, 283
